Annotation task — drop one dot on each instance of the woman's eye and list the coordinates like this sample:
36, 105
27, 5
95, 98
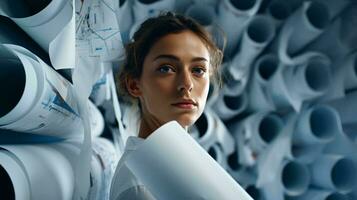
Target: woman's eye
165, 69
199, 71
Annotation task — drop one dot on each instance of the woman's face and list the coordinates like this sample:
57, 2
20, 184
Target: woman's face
175, 79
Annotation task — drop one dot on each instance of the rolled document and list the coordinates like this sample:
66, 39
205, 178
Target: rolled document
346, 108
258, 94
143, 9
203, 14
227, 106
125, 18
334, 172
292, 86
52, 28
351, 72
175, 163
335, 7
254, 135
306, 154
211, 130
257, 35
318, 194
316, 125
46, 103
279, 11
308, 22
233, 16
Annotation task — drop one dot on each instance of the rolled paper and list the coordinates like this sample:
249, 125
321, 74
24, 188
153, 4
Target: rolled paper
334, 172
47, 105
203, 14
306, 154
216, 152
96, 120
13, 137
52, 28
259, 97
227, 106
175, 163
291, 86
235, 13
234, 87
335, 7
181, 6
29, 168
346, 107
295, 178
257, 35
279, 11
143, 9
224, 137
308, 21
318, 194
317, 125
351, 72
125, 18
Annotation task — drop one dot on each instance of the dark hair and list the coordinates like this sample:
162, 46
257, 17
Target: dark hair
149, 32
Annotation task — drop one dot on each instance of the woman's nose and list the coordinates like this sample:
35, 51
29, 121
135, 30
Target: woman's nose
185, 82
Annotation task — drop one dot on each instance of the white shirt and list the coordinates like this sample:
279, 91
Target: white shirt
125, 186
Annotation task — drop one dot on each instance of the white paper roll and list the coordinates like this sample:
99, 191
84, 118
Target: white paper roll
279, 11
318, 194
258, 94
175, 163
143, 9
306, 154
295, 178
258, 33
233, 16
317, 125
49, 108
53, 29
346, 108
203, 14
227, 106
334, 172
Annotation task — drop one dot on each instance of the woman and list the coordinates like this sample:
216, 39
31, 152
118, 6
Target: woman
168, 68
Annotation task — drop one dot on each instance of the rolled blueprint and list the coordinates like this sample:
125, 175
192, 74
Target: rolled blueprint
46, 105
227, 106
291, 86
212, 130
279, 11
258, 94
318, 194
351, 72
175, 163
143, 9
259, 32
316, 125
334, 172
233, 16
52, 28
216, 152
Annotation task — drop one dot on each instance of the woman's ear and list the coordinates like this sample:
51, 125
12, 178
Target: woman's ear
133, 87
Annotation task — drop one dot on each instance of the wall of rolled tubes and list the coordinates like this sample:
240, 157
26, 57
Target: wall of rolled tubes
284, 125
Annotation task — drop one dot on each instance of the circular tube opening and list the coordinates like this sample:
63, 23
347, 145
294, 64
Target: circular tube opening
269, 128
279, 10
323, 123
318, 15
267, 67
7, 188
243, 4
343, 175
202, 124
202, 14
254, 192
148, 1
212, 152
233, 102
261, 29
317, 75
295, 178
12, 83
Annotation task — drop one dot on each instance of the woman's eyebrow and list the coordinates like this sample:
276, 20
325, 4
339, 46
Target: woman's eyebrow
173, 57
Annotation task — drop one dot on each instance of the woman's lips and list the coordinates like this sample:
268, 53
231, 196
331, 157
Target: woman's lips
184, 105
